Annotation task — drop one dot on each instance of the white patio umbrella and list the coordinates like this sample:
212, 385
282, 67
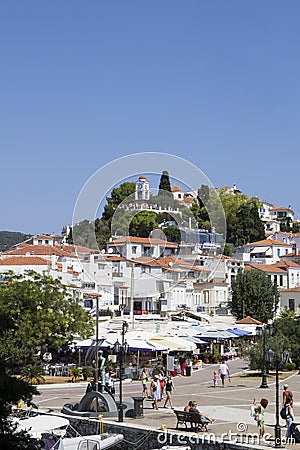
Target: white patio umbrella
175, 344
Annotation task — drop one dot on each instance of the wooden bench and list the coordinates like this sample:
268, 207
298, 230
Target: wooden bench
184, 417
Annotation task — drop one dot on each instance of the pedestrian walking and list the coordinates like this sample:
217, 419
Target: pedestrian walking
182, 362
144, 378
162, 380
260, 415
169, 389
215, 377
155, 391
289, 413
224, 372
287, 397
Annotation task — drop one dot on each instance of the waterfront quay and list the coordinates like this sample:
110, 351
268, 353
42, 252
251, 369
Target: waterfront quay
229, 406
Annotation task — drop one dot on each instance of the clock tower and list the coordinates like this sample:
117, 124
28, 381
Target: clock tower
142, 191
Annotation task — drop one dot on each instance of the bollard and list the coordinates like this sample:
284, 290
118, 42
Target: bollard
163, 427
101, 424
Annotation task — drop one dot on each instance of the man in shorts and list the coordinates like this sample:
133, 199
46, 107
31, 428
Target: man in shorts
224, 372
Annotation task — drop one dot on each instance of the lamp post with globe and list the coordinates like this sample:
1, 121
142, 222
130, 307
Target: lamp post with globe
263, 332
121, 349
271, 356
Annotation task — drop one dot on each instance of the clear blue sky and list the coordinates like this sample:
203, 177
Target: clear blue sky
85, 82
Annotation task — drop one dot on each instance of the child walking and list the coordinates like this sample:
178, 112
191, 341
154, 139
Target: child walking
215, 377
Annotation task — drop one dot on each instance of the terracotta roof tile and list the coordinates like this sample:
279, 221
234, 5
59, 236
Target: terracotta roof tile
175, 188
265, 242
24, 261
38, 250
248, 321
295, 289
145, 241
270, 268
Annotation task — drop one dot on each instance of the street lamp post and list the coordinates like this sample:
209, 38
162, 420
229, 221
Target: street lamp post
284, 356
121, 350
263, 331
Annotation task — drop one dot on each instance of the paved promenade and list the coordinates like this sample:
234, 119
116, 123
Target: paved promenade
230, 406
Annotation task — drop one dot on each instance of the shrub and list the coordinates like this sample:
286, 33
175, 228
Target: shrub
290, 366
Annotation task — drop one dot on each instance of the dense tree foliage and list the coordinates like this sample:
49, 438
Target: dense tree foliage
172, 234
103, 232
203, 195
70, 237
37, 311
142, 224
254, 294
164, 183
246, 226
285, 335
118, 195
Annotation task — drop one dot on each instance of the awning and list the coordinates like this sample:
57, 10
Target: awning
239, 332
174, 344
259, 250
145, 346
218, 335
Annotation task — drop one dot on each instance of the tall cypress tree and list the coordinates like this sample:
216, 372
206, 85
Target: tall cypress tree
164, 184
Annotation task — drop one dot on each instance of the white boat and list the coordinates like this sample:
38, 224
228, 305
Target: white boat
52, 429
93, 442
38, 425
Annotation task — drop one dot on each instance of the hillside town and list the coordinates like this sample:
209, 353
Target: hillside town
151, 275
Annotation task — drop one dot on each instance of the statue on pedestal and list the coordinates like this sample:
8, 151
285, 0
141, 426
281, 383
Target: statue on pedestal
101, 370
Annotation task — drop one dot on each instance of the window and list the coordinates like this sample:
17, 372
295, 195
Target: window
291, 304
281, 280
40, 241
88, 303
278, 252
134, 248
206, 296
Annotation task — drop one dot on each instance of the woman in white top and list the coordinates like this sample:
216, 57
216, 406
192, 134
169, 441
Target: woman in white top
155, 391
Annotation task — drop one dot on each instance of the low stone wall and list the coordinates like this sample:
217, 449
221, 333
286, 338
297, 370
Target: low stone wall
137, 437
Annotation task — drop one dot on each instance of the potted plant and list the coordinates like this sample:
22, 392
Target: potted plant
86, 372
207, 357
74, 374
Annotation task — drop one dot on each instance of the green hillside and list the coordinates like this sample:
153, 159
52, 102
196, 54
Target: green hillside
9, 238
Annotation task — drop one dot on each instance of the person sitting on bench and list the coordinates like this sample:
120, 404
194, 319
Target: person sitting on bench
194, 409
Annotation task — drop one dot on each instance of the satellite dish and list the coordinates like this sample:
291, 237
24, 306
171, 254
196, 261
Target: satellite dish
103, 252
110, 250
170, 264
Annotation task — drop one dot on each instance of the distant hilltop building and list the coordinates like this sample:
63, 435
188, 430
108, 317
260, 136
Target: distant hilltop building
142, 192
142, 189
274, 216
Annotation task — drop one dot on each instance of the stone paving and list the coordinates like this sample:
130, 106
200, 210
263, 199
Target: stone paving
230, 406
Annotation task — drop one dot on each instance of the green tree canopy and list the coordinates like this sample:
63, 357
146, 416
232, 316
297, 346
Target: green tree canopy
143, 223
118, 195
246, 226
164, 183
36, 310
254, 294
